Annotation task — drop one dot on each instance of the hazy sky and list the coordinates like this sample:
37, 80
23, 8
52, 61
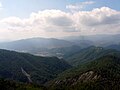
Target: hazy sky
58, 18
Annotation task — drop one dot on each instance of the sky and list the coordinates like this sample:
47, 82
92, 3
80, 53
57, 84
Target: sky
58, 18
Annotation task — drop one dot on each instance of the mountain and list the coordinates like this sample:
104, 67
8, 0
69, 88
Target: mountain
88, 54
114, 46
25, 67
64, 52
99, 74
35, 44
83, 43
43, 47
97, 40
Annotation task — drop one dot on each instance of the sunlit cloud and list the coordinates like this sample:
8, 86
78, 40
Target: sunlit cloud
0, 4
79, 6
1, 7
57, 23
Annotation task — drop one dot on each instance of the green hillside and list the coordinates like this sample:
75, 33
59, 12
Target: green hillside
89, 54
25, 67
95, 68
100, 74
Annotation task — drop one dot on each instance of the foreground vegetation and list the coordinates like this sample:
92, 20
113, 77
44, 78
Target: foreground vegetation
13, 85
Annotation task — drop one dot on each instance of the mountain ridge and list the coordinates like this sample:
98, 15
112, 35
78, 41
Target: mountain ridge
89, 54
41, 69
102, 73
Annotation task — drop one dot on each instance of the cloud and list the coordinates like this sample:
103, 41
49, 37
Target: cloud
49, 20
0, 4
1, 7
57, 23
12, 21
79, 6
98, 16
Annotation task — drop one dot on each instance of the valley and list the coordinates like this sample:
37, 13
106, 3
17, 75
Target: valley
64, 65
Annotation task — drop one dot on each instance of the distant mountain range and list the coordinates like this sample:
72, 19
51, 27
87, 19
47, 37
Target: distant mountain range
97, 40
35, 44
44, 46
56, 47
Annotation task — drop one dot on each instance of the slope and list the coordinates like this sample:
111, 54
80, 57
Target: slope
21, 66
35, 44
114, 46
100, 74
89, 54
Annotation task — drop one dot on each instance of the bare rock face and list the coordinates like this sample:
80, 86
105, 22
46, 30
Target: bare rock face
85, 77
88, 76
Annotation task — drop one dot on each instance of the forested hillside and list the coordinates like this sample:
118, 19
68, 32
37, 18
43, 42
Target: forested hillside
89, 54
25, 67
100, 74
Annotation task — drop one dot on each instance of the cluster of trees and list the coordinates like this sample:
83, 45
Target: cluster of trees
13, 85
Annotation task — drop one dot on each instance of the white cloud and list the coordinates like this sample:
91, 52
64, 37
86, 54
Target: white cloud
49, 20
1, 7
0, 4
79, 6
57, 23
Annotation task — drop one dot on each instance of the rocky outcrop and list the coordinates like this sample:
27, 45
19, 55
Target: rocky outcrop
85, 77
